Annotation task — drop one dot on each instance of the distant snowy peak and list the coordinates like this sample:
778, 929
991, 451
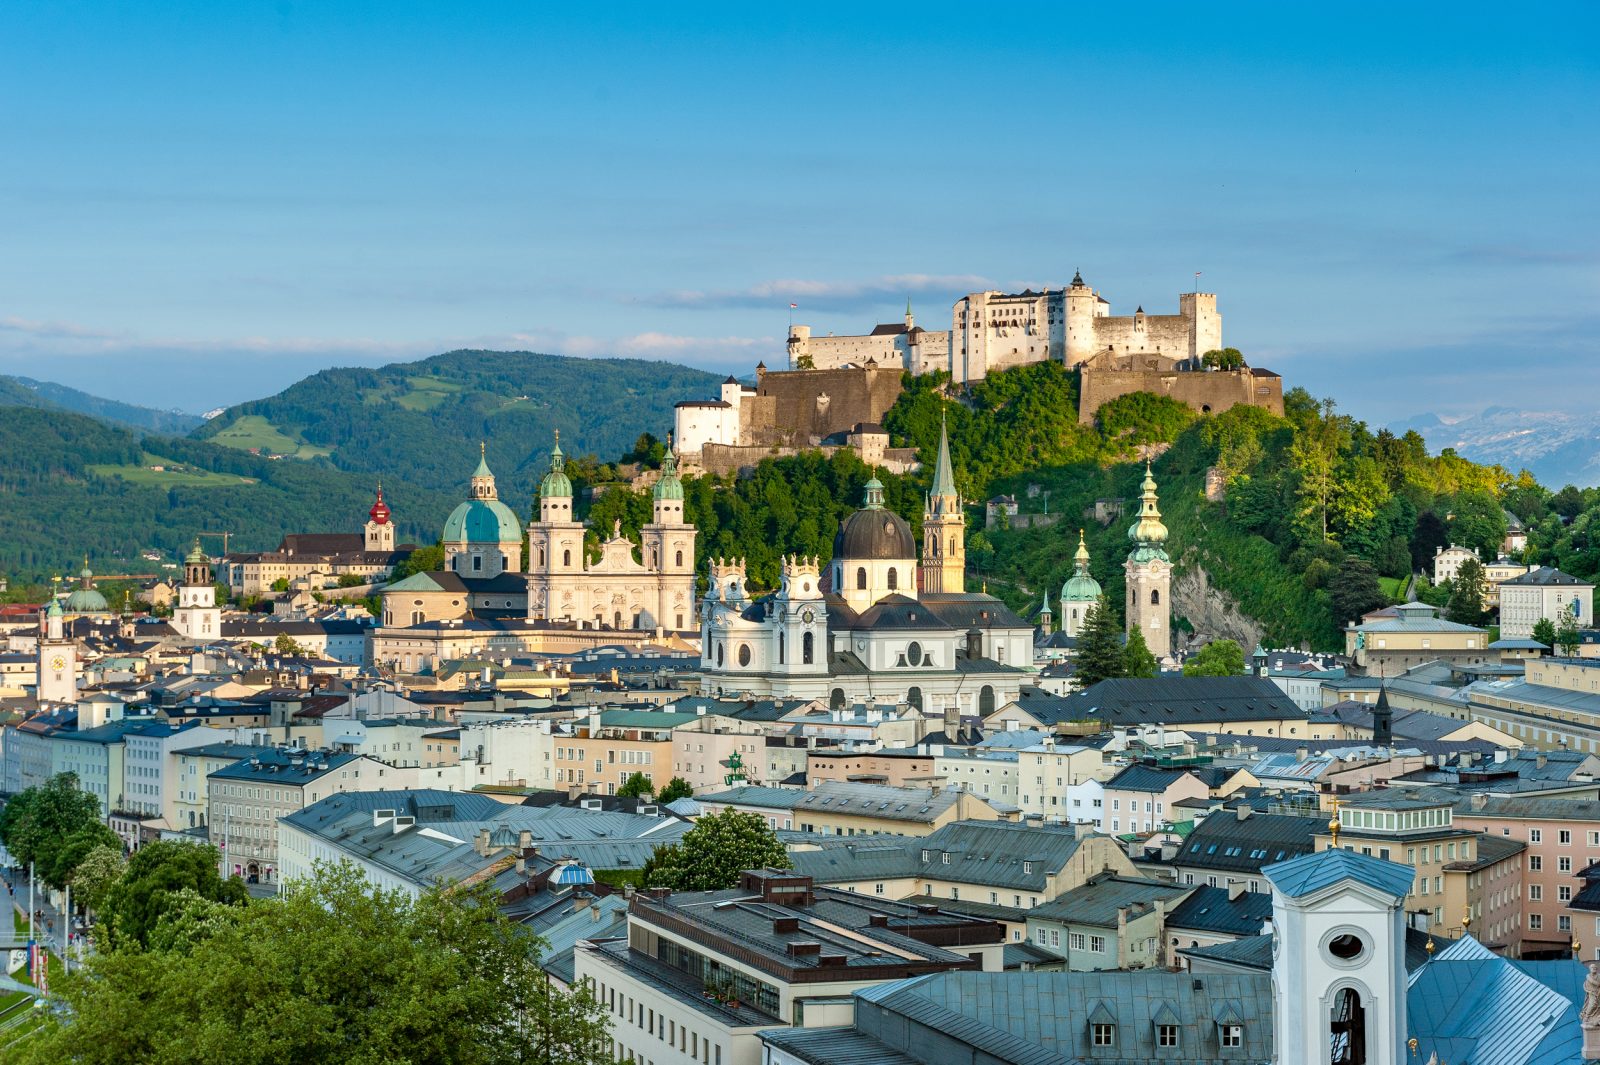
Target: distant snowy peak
1559, 447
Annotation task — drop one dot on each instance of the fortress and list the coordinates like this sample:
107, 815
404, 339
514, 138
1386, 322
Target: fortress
1117, 354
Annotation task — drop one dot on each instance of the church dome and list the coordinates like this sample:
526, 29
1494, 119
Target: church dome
873, 531
668, 486
482, 521
380, 510
86, 601
556, 483
1080, 588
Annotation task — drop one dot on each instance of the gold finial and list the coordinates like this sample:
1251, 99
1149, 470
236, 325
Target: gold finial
1333, 825
1577, 948
986, 586
1411, 1044
483, 449
1466, 918
1429, 948
558, 438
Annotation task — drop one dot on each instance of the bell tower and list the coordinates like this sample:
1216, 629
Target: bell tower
58, 658
668, 550
1149, 574
197, 615
1338, 959
944, 528
379, 529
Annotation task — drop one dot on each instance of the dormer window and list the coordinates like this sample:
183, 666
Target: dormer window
1167, 1036
924, 855
1103, 1035
1027, 868
944, 856
1232, 1035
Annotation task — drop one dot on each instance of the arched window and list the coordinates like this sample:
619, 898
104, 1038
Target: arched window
541, 556
914, 697
1155, 597
719, 656
807, 644
416, 617
861, 577
566, 558
985, 701
783, 645
953, 550
836, 700
616, 619
894, 578
678, 559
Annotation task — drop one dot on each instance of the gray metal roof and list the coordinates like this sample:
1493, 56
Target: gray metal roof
1481, 1009
1103, 896
1172, 700
1309, 873
992, 853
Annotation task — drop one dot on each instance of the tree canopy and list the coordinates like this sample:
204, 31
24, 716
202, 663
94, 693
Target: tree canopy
335, 971
54, 826
637, 786
1137, 658
1100, 654
713, 853
157, 876
676, 788
1219, 658
1469, 590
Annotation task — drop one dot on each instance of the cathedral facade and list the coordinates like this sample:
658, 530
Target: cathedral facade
861, 630
654, 589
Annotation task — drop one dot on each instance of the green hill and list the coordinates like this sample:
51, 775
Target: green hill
47, 395
419, 423
71, 485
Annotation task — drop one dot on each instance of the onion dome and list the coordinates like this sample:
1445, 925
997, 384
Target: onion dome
668, 486
556, 484
1148, 533
84, 599
1080, 587
195, 556
54, 609
380, 510
874, 532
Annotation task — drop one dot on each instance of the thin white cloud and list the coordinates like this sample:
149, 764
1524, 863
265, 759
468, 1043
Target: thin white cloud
808, 292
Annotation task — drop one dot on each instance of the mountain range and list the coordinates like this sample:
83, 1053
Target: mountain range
1557, 447
47, 395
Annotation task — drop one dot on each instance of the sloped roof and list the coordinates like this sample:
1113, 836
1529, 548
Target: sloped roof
1477, 1007
1174, 701
1309, 873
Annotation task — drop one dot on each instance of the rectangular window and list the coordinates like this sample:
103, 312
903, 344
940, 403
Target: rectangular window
1097, 944
1564, 837
1233, 1035
1535, 922
1535, 863
1103, 1035
1563, 923
1076, 939
1535, 892
1563, 864
1166, 1035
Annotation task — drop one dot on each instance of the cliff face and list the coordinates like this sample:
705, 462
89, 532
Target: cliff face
1214, 613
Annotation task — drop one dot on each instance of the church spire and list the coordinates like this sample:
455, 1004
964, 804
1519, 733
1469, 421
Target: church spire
483, 478
1148, 533
942, 497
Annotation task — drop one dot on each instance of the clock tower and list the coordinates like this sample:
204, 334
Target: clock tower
198, 617
58, 659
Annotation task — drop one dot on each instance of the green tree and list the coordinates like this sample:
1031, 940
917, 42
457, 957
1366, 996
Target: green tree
1568, 636
281, 584
1137, 658
1544, 630
637, 786
100, 868
156, 875
1219, 658
36, 825
1099, 655
677, 788
285, 645
1314, 460
1468, 591
1223, 359
422, 560
59, 869
352, 580
335, 971
713, 853
1354, 589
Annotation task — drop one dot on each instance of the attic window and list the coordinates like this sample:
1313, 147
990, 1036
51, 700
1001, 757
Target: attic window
1027, 867
1103, 1035
1167, 1036
1232, 1035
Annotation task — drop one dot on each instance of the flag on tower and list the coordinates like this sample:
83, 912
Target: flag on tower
792, 306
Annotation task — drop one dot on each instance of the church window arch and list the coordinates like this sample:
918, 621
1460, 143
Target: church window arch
1155, 597
861, 577
836, 699
953, 549
566, 558
807, 648
416, 617
678, 559
894, 578
783, 646
914, 697
719, 656
986, 700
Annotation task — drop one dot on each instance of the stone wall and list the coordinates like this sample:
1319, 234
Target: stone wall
800, 408
725, 459
1209, 392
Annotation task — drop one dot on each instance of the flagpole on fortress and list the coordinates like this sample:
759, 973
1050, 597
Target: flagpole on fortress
1197, 282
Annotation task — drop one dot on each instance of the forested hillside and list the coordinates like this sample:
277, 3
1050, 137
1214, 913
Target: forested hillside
419, 423
71, 485
26, 392
1316, 508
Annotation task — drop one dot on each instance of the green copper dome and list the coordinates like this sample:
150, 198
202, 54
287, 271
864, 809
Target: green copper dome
556, 484
482, 521
1148, 533
195, 555
668, 486
1080, 587
86, 601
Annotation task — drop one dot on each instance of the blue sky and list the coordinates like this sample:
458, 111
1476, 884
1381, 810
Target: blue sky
200, 203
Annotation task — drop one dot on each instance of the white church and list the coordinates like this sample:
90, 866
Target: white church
877, 625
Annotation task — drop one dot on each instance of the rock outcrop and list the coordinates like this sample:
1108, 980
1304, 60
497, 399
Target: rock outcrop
1214, 613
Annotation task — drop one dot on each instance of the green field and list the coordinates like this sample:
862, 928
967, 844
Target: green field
253, 432
426, 393
169, 477
1392, 586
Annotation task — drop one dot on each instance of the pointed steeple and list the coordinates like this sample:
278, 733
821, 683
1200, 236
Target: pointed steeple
556, 484
482, 484
668, 486
1148, 533
1080, 558
1382, 718
944, 481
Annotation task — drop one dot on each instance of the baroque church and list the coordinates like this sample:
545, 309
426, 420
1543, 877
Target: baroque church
487, 577
878, 625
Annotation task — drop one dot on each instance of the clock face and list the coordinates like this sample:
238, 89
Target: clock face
808, 617
58, 663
